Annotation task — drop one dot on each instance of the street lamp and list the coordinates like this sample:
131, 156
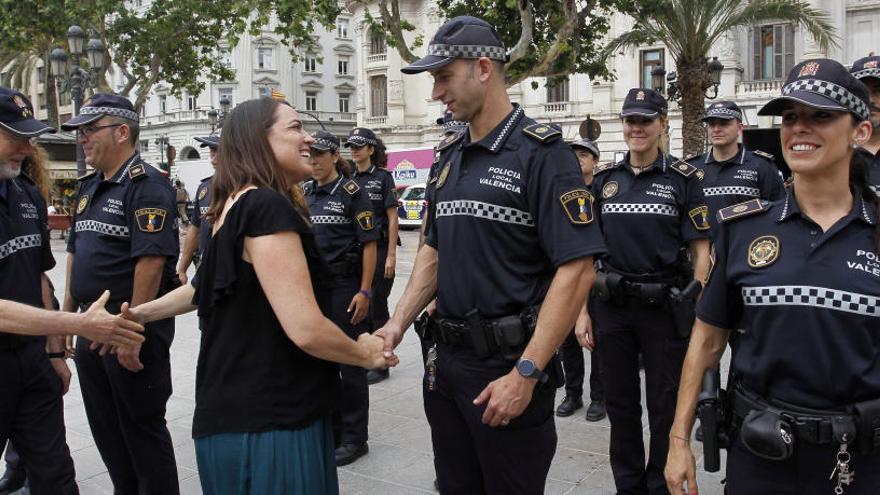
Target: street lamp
657, 78
216, 118
713, 67
162, 142
77, 79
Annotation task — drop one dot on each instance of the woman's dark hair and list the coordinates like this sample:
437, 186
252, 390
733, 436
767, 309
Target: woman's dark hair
343, 167
36, 166
379, 158
859, 164
245, 157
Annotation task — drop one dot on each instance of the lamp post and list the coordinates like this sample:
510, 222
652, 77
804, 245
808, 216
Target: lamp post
657, 78
216, 118
162, 141
673, 92
78, 79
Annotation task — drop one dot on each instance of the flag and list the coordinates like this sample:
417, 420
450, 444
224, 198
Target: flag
277, 95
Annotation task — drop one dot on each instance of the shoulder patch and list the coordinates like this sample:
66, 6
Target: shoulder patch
602, 167
137, 171
150, 219
87, 176
542, 132
307, 186
684, 168
748, 208
764, 154
450, 139
351, 187
365, 220
207, 178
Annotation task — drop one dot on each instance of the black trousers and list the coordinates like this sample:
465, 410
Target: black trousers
471, 457
381, 287
13, 460
353, 418
572, 355
126, 413
805, 473
624, 332
32, 416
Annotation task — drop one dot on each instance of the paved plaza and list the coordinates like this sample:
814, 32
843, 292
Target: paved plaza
400, 459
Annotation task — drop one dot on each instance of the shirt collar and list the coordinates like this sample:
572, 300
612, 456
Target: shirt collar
122, 173
330, 187
739, 157
861, 210
495, 140
660, 163
369, 171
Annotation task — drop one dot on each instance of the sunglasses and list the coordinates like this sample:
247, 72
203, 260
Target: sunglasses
88, 131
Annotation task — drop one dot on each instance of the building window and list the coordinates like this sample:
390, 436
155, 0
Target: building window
310, 63
225, 92
41, 97
342, 28
145, 145
342, 66
378, 96
265, 58
344, 102
311, 101
558, 92
191, 102
41, 74
647, 61
225, 56
377, 44
772, 51
163, 104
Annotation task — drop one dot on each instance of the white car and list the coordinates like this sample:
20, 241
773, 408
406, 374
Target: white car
411, 206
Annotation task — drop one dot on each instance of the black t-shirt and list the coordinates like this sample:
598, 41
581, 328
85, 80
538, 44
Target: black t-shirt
250, 376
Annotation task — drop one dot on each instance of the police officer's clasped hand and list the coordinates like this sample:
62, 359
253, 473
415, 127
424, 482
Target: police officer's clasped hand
359, 307
101, 327
507, 398
392, 334
583, 330
375, 346
681, 468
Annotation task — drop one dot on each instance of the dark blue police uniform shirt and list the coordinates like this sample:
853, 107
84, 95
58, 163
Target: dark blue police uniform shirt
508, 210
379, 187
202, 203
117, 221
809, 303
648, 218
743, 177
25, 252
342, 218
873, 170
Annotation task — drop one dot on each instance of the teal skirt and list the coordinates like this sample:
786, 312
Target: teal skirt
272, 462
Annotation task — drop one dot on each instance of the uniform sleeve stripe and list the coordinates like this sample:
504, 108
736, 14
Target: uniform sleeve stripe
329, 219
817, 297
640, 208
102, 228
486, 211
732, 190
19, 243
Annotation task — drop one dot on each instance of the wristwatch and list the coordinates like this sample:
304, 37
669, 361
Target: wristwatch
528, 369
366, 292
56, 355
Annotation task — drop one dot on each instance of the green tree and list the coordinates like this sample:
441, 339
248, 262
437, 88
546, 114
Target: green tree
689, 29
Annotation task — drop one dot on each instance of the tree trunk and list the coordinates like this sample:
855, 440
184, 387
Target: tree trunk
692, 79
50, 94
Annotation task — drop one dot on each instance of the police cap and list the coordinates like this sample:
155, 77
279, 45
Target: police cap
644, 102
17, 115
102, 105
587, 145
212, 141
460, 37
361, 136
725, 110
325, 141
866, 67
822, 83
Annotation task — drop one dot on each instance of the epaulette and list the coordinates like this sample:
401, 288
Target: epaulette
740, 210
450, 139
137, 171
764, 154
601, 167
86, 176
307, 186
207, 178
684, 168
542, 132
351, 187
694, 157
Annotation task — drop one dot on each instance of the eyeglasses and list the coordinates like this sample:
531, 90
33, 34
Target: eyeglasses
88, 131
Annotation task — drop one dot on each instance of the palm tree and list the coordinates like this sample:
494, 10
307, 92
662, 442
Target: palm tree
18, 70
689, 29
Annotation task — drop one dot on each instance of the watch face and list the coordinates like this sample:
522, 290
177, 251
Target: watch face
526, 367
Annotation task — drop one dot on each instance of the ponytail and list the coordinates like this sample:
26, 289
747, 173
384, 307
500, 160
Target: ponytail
343, 167
858, 180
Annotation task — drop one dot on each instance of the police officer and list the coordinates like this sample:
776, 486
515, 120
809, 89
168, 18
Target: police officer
345, 232
124, 238
368, 153
197, 237
867, 70
572, 356
730, 173
800, 276
508, 253
653, 217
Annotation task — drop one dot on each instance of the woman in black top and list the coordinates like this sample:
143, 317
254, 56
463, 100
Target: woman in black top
266, 383
800, 277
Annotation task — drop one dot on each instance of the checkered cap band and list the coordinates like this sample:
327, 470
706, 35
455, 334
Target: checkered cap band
486, 211
360, 140
327, 143
19, 243
111, 111
817, 297
640, 208
866, 73
830, 90
721, 111
468, 51
203, 210
329, 219
753, 192
102, 228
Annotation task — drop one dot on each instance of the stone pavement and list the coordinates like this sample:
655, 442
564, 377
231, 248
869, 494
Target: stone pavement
400, 459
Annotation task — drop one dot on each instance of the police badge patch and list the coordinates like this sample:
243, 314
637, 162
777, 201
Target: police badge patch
351, 187
441, 179
150, 219
700, 217
83, 202
763, 251
365, 220
609, 189
202, 193
578, 205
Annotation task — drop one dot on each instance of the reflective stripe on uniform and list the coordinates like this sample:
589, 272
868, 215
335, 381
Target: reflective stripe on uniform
102, 228
486, 211
732, 190
642, 208
818, 297
329, 219
16, 244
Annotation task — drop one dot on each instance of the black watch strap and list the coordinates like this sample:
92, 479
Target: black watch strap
56, 355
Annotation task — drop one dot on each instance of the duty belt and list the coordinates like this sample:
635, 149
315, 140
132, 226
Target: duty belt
816, 426
508, 334
668, 276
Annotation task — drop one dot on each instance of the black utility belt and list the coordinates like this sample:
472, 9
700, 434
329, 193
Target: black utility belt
770, 431
508, 334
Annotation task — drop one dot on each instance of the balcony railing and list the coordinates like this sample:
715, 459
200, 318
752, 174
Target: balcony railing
759, 88
556, 107
179, 116
375, 120
376, 58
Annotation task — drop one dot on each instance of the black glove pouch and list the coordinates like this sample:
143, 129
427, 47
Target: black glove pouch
767, 435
